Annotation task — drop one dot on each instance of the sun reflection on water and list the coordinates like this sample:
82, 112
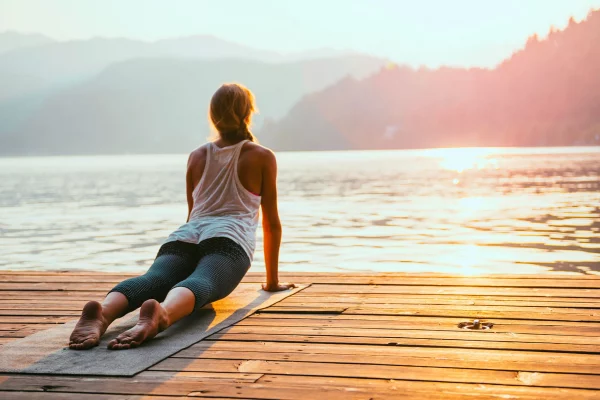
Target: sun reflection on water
444, 210
461, 159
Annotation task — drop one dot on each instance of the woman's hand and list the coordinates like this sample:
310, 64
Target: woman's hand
278, 287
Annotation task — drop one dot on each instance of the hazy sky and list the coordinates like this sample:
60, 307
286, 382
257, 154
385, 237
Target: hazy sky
416, 32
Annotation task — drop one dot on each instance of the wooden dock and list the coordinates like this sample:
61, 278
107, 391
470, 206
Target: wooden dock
375, 336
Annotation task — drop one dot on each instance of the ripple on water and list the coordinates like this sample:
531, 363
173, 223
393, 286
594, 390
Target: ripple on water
451, 211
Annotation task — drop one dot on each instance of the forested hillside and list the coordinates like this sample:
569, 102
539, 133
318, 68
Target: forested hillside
546, 94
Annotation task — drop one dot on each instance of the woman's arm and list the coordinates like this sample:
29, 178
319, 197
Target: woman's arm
189, 186
271, 225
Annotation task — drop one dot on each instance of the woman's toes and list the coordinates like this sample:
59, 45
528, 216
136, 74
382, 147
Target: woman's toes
120, 342
89, 343
121, 346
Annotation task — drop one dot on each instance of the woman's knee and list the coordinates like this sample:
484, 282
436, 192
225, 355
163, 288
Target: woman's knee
143, 287
202, 290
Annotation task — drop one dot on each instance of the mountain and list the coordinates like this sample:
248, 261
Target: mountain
72, 61
52, 76
211, 47
10, 40
43, 69
546, 94
155, 105
26, 69
125, 96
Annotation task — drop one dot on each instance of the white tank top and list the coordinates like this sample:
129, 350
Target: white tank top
222, 206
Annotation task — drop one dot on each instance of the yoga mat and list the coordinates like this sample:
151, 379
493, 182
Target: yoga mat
47, 352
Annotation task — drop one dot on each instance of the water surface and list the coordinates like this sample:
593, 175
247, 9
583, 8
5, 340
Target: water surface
467, 211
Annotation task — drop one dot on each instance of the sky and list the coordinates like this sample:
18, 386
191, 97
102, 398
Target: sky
426, 32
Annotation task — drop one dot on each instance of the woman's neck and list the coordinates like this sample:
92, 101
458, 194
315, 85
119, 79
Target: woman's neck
220, 142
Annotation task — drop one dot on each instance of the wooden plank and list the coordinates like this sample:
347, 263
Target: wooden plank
463, 312
348, 280
415, 359
16, 327
82, 396
36, 297
416, 318
383, 330
291, 387
449, 290
333, 276
454, 281
36, 319
196, 376
457, 334
44, 286
594, 311
196, 389
399, 372
39, 301
545, 342
438, 324
398, 355
77, 307
408, 307
398, 341
476, 296
18, 334
62, 277
41, 313
43, 294
31, 328
65, 272
345, 300
420, 390
322, 310
476, 313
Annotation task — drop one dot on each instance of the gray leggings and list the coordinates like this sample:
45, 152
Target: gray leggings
211, 269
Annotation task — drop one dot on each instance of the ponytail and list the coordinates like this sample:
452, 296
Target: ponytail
236, 136
246, 133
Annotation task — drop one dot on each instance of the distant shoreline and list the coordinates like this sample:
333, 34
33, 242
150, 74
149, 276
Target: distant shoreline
571, 149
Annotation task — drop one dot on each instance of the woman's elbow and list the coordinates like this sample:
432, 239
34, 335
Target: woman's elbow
272, 227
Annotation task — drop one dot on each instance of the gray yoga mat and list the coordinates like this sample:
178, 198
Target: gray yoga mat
47, 352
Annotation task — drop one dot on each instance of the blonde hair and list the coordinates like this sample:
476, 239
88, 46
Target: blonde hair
231, 110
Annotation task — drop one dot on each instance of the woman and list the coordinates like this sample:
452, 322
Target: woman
207, 257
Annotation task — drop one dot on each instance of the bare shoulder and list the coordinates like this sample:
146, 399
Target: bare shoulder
197, 156
259, 154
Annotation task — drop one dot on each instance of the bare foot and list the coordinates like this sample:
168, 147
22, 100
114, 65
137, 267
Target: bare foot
153, 319
89, 328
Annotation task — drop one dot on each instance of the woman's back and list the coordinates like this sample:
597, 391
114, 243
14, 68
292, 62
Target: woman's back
224, 193
251, 161
219, 190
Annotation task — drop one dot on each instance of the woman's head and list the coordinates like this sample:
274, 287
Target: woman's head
231, 110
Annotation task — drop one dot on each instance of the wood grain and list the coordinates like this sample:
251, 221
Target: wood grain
359, 336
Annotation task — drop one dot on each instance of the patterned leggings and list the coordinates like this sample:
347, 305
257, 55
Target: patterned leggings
211, 269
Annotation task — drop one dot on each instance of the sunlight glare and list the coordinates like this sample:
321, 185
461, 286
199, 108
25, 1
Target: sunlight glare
461, 159
472, 259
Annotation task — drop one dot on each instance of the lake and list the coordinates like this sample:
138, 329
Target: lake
465, 211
